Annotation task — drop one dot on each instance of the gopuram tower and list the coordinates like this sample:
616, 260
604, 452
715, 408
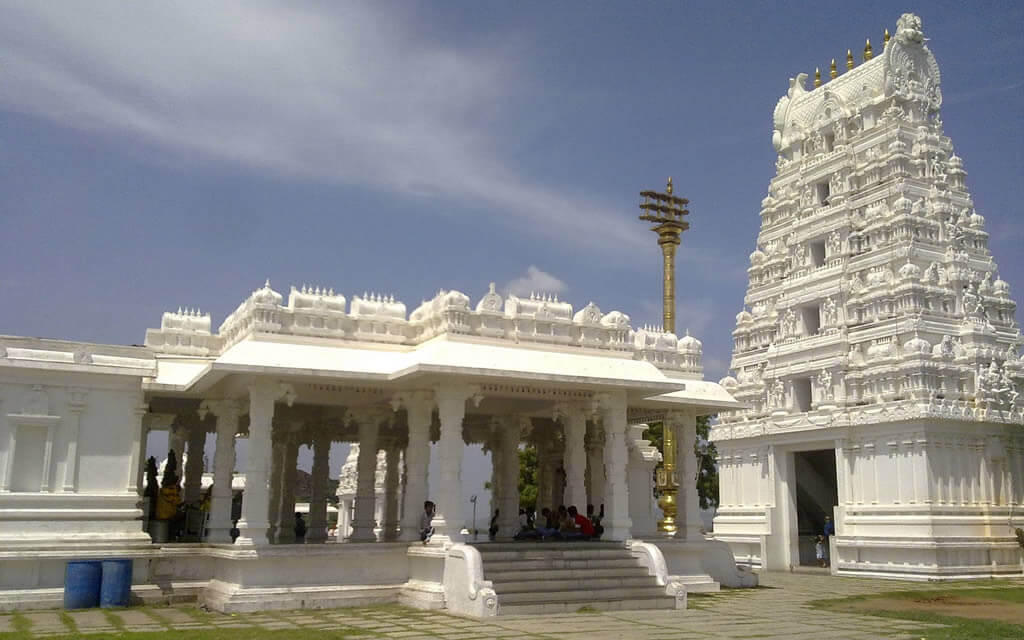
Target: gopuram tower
877, 350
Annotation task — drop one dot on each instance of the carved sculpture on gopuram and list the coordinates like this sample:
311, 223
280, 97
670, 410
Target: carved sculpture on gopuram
892, 364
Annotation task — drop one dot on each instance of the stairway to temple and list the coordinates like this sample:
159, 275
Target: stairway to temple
556, 577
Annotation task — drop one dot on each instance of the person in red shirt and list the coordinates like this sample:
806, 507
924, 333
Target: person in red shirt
582, 524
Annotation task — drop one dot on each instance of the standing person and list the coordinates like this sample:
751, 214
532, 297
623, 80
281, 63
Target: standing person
300, 529
426, 529
828, 531
819, 551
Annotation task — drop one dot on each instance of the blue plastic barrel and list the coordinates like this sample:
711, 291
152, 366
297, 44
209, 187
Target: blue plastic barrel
82, 584
116, 587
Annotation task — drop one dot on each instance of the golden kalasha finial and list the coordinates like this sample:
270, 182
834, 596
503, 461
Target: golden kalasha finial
668, 188
867, 50
849, 59
817, 77
885, 38
832, 72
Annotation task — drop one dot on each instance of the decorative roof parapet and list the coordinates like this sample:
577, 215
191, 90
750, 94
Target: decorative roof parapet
184, 332
320, 312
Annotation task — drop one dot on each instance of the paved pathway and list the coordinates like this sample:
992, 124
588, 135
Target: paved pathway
778, 610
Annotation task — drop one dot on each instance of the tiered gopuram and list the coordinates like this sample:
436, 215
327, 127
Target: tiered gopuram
877, 350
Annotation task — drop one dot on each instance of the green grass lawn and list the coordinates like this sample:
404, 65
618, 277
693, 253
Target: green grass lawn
935, 601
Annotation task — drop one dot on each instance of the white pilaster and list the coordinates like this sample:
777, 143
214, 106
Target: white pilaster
317, 527
256, 499
363, 523
67, 469
226, 412
419, 407
616, 493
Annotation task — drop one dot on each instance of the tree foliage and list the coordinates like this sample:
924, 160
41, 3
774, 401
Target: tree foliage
707, 478
528, 477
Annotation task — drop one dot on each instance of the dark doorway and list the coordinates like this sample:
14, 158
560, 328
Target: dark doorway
817, 492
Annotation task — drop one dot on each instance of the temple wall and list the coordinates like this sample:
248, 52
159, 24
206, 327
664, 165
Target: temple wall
69, 447
916, 499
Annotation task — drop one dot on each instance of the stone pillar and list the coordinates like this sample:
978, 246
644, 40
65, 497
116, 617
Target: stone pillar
508, 476
317, 527
277, 462
226, 412
194, 464
574, 421
419, 407
389, 530
496, 467
688, 525
616, 492
286, 520
451, 409
595, 466
176, 441
363, 523
256, 500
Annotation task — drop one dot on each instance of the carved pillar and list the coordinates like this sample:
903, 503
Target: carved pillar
419, 407
226, 412
595, 466
277, 463
320, 481
363, 523
194, 464
574, 421
616, 493
389, 531
688, 520
286, 520
451, 409
508, 475
256, 500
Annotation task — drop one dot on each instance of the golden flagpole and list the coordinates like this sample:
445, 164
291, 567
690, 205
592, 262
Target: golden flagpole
667, 213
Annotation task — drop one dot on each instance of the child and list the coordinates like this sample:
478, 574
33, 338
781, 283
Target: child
426, 530
819, 551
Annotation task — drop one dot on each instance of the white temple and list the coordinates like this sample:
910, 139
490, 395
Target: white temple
877, 351
74, 420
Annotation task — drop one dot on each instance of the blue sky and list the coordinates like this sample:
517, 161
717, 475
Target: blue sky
157, 155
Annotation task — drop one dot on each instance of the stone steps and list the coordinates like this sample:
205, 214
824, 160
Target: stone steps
534, 575
558, 577
582, 563
563, 586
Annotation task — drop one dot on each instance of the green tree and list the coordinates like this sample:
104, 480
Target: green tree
528, 477
707, 477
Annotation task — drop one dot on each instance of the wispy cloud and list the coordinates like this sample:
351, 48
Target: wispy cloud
971, 94
535, 280
339, 92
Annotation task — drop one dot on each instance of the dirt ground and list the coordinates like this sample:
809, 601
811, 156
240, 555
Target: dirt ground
949, 605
